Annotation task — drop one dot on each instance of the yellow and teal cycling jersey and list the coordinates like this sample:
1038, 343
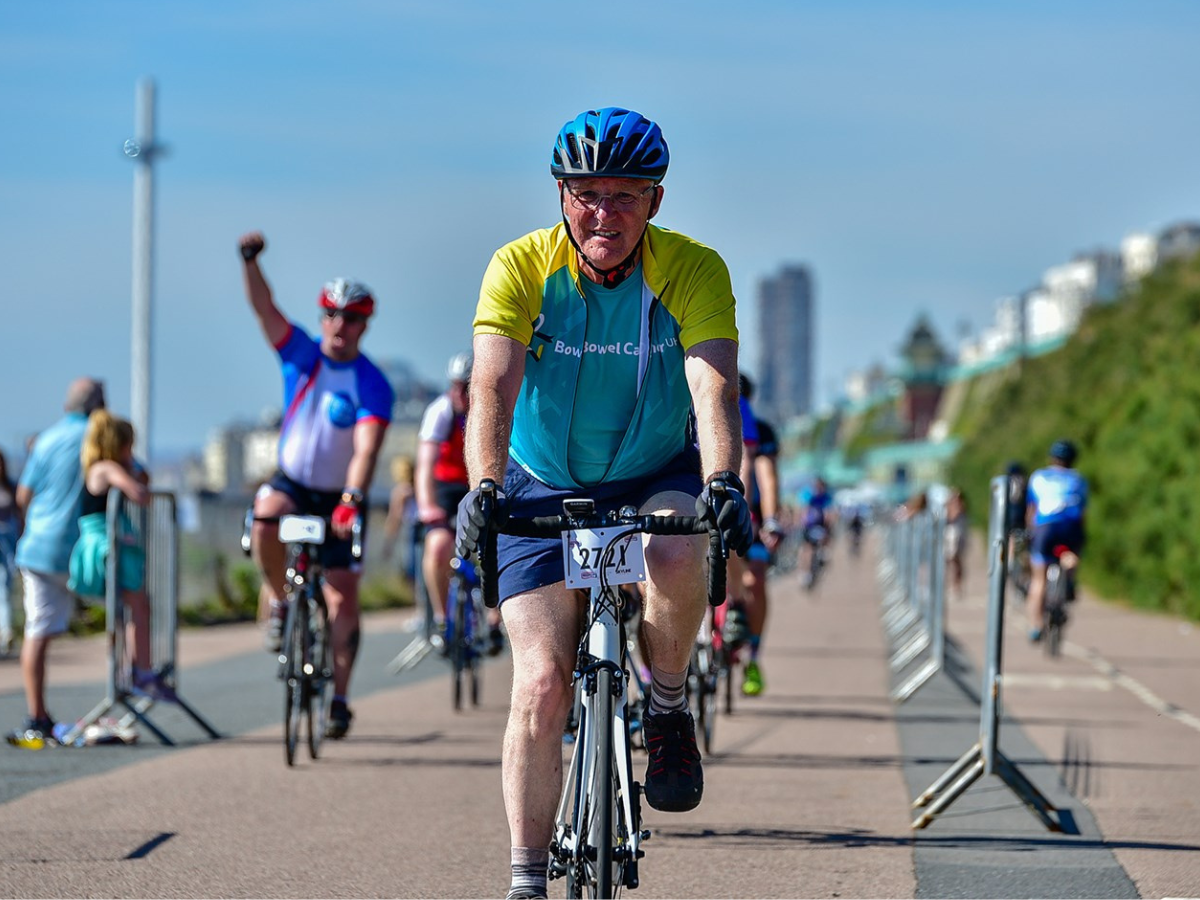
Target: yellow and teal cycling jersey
532, 292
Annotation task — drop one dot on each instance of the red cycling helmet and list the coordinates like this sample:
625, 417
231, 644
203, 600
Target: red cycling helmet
347, 296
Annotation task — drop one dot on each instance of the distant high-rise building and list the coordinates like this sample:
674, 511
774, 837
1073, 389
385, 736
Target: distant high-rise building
785, 341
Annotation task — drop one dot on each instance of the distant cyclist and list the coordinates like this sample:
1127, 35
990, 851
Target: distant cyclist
593, 339
337, 406
1056, 505
816, 522
764, 504
441, 484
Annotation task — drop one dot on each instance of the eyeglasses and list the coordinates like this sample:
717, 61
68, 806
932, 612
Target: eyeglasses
621, 199
350, 318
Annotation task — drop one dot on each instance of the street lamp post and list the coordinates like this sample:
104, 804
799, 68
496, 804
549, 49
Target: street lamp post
142, 149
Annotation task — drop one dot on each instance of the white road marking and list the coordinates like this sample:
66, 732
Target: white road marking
1135, 687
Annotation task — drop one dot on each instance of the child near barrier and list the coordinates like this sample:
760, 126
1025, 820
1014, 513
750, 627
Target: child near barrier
107, 458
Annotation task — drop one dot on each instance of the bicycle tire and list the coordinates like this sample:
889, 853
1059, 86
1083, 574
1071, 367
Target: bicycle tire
459, 645
601, 832
579, 811
726, 673
319, 679
293, 701
1052, 609
475, 646
705, 694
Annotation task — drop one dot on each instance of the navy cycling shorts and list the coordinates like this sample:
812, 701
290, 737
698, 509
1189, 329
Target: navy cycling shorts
526, 564
1045, 538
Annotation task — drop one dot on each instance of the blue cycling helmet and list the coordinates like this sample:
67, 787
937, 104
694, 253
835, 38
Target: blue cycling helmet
610, 142
1064, 452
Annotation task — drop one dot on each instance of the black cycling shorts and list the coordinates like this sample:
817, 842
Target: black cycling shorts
336, 553
1046, 537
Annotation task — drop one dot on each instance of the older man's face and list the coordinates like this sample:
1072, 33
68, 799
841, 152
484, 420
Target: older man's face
608, 215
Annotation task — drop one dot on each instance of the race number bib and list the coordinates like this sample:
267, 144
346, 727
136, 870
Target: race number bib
588, 551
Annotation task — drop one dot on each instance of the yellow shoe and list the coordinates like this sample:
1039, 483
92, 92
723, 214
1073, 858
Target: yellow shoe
752, 680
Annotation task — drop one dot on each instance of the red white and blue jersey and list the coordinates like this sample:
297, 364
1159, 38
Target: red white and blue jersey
323, 400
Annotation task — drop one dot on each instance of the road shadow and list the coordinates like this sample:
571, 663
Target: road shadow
773, 838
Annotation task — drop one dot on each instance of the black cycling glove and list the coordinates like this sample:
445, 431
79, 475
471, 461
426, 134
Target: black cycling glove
723, 503
474, 520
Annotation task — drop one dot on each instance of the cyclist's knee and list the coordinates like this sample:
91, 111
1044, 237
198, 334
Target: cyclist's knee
341, 590
542, 695
439, 543
675, 557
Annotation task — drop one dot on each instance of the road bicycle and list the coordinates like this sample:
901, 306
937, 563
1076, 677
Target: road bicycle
465, 631
306, 653
598, 829
814, 536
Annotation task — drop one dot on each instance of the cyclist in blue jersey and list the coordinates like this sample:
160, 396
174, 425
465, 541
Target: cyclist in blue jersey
337, 407
1056, 503
593, 341
816, 522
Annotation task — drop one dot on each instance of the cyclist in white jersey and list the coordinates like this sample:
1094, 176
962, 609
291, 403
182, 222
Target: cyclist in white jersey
337, 406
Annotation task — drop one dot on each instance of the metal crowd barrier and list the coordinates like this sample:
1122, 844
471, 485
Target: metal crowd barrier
985, 758
153, 530
422, 645
912, 571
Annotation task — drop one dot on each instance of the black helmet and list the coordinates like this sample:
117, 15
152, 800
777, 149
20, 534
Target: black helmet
1015, 468
1063, 451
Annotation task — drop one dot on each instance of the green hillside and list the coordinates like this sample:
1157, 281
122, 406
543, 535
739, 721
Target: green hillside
1126, 389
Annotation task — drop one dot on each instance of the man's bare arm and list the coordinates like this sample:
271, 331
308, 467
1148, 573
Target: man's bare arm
368, 438
712, 375
273, 323
495, 381
427, 454
767, 476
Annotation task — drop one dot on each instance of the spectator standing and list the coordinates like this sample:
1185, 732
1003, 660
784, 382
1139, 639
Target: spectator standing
48, 497
955, 538
401, 524
10, 530
107, 460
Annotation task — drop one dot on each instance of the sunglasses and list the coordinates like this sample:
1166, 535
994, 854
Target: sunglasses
350, 318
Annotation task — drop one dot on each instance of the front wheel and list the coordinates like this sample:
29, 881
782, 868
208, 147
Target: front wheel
294, 694
704, 685
319, 673
458, 642
1054, 609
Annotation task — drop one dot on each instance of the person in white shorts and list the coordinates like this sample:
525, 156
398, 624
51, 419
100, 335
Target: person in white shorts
48, 494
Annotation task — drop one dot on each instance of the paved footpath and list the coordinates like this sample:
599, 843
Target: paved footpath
808, 796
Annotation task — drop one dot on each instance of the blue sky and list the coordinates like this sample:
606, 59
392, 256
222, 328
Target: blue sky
921, 157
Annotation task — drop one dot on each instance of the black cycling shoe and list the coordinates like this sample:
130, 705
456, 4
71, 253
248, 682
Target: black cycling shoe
339, 720
674, 777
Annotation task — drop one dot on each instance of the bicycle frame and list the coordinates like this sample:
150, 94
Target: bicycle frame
602, 688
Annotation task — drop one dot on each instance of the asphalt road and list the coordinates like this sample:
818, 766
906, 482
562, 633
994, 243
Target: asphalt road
808, 794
